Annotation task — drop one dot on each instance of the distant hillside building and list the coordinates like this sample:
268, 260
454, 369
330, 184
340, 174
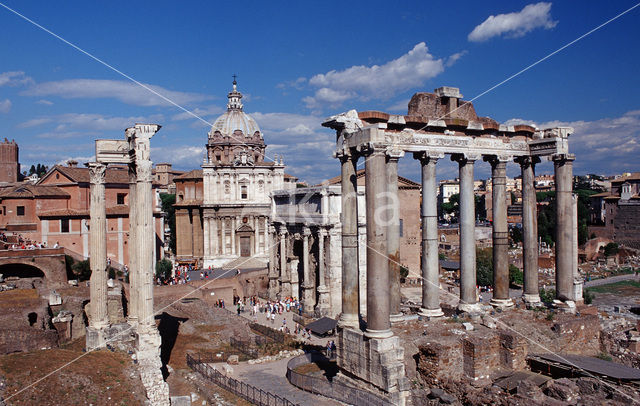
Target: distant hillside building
56, 210
223, 211
9, 165
619, 209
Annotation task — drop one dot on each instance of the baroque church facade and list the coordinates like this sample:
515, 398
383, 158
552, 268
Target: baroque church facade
223, 211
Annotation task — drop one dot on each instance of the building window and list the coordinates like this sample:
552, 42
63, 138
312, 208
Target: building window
401, 228
243, 193
64, 225
20, 210
120, 198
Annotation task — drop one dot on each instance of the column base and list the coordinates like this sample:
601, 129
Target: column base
378, 333
323, 307
349, 321
501, 303
566, 307
396, 318
95, 338
431, 313
469, 308
531, 299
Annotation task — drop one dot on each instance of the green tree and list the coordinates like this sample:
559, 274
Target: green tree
484, 266
516, 235
516, 276
168, 200
163, 269
610, 249
82, 270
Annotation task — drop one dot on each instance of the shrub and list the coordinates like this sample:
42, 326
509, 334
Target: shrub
82, 270
164, 268
587, 296
516, 276
547, 295
404, 272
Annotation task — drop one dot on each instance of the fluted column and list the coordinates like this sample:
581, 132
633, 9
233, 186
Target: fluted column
500, 232
256, 236
393, 233
233, 235
215, 250
285, 280
134, 294
531, 291
323, 307
206, 237
272, 248
430, 265
223, 228
563, 166
349, 318
98, 247
308, 285
378, 295
267, 244
145, 232
468, 300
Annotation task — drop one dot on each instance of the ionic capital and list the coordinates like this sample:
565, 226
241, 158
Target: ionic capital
97, 172
322, 232
146, 130
465, 158
563, 158
370, 149
343, 154
394, 154
527, 161
497, 159
426, 157
306, 231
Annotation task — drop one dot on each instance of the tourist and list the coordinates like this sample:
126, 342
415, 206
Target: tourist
329, 349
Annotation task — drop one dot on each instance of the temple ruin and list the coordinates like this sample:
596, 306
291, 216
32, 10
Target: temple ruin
437, 124
134, 151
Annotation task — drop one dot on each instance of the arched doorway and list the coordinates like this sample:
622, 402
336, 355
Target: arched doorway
244, 234
21, 271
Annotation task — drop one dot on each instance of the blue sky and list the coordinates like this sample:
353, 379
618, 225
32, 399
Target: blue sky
299, 62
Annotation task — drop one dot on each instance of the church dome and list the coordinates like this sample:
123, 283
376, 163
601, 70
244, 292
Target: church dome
235, 121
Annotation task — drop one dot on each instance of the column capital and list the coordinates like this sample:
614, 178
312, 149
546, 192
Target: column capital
394, 154
371, 148
563, 157
428, 156
497, 159
467, 157
527, 160
306, 231
322, 232
344, 154
97, 172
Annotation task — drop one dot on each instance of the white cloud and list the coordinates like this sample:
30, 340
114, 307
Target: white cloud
375, 82
126, 92
299, 129
520, 121
515, 24
95, 122
402, 106
5, 105
296, 84
45, 102
185, 156
455, 57
200, 112
16, 78
283, 121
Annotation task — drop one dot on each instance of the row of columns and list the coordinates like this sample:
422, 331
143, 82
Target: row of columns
215, 233
383, 290
141, 236
282, 274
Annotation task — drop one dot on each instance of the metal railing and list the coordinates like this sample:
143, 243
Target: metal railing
247, 392
275, 335
322, 386
248, 347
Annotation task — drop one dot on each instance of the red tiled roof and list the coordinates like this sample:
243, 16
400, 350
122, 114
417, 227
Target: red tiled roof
26, 190
194, 174
117, 210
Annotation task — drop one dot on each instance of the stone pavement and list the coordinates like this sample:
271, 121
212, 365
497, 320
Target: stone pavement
271, 377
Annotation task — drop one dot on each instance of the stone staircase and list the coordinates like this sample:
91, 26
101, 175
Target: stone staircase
246, 263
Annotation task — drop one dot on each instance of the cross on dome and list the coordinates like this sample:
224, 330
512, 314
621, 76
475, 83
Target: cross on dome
234, 97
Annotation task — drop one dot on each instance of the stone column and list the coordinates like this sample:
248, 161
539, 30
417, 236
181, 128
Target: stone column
206, 230
393, 233
145, 233
378, 295
322, 309
349, 318
214, 236
267, 244
468, 298
272, 248
233, 235
285, 280
429, 215
500, 232
98, 247
531, 292
308, 300
132, 306
563, 166
223, 226
256, 235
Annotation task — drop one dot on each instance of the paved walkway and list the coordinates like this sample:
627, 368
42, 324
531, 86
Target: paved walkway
271, 377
